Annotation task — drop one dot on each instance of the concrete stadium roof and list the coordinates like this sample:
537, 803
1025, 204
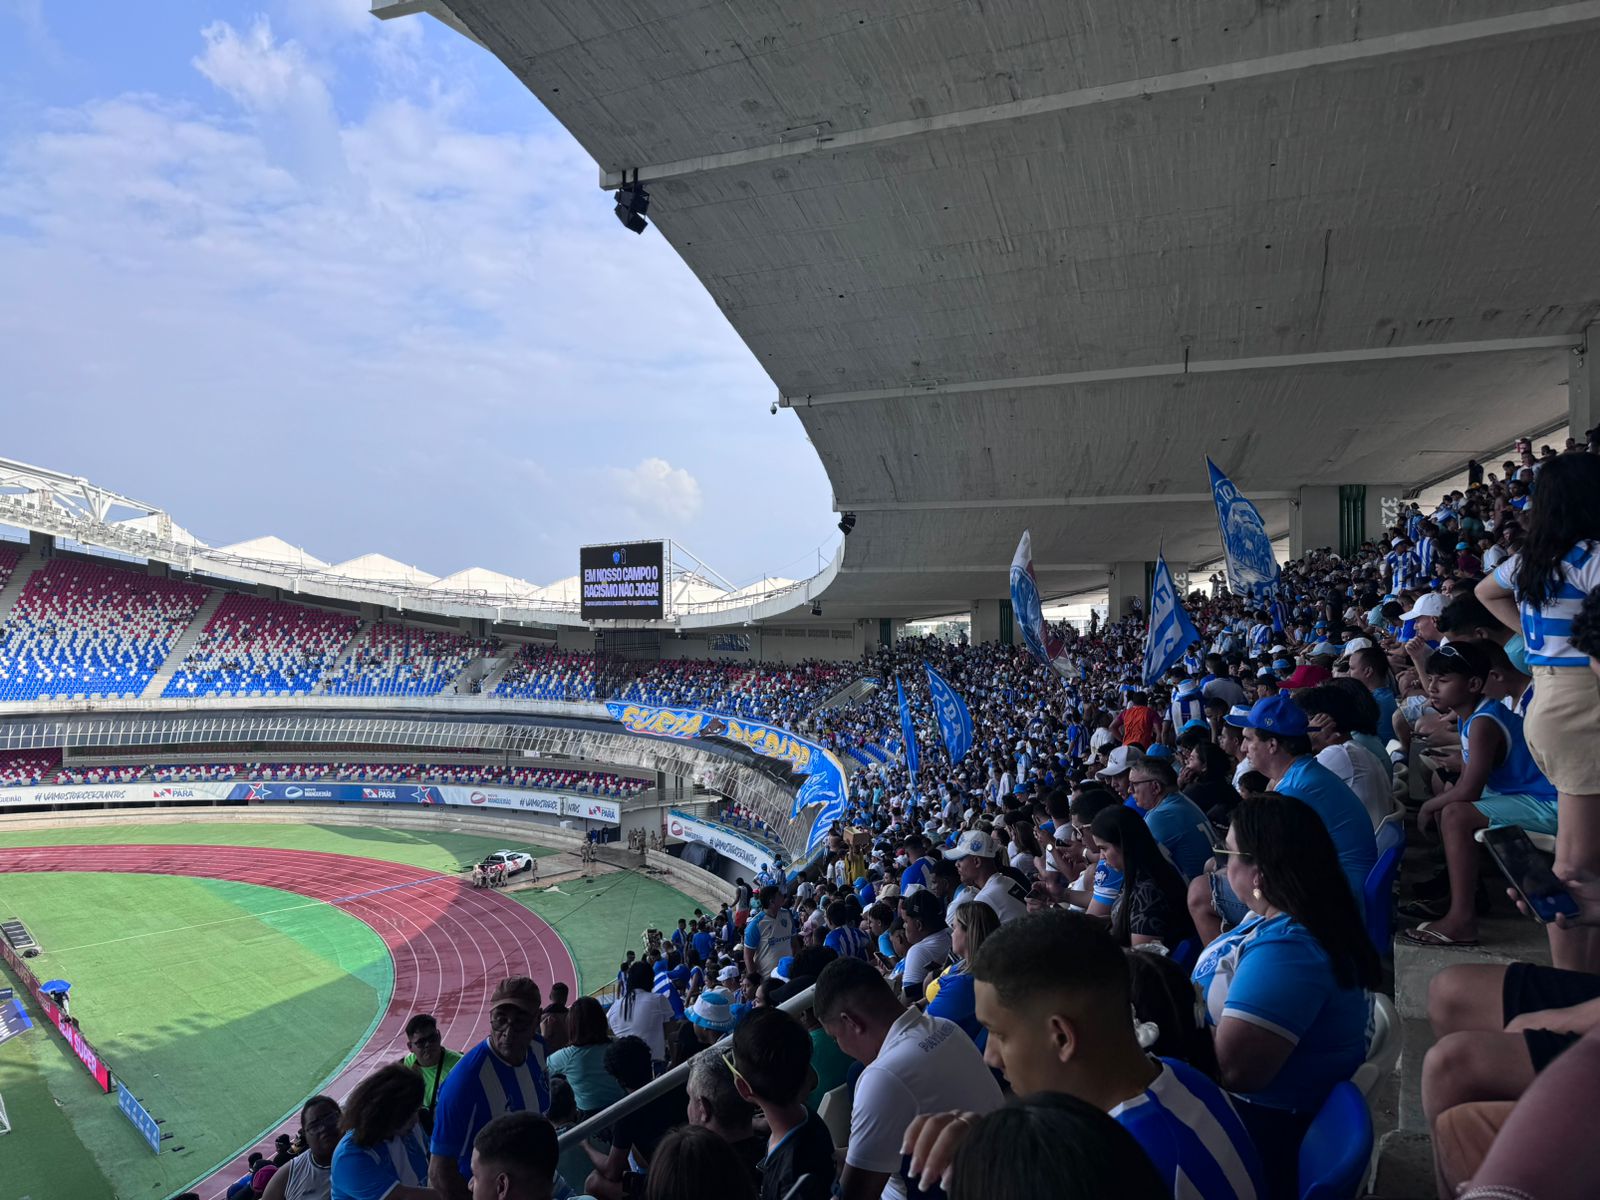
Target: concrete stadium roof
1026, 264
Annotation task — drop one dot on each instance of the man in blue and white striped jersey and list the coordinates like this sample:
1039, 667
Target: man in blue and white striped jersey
1053, 990
502, 1074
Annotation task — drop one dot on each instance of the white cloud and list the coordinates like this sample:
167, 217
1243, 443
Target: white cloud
655, 489
415, 361
289, 100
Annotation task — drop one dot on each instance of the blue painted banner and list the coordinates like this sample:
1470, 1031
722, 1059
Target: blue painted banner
823, 786
1027, 607
955, 721
142, 1121
1252, 568
1171, 632
908, 735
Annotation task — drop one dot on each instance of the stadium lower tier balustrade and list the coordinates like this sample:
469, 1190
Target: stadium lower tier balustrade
543, 674
256, 645
83, 629
398, 660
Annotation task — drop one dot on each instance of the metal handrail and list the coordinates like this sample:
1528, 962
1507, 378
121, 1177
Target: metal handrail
659, 1086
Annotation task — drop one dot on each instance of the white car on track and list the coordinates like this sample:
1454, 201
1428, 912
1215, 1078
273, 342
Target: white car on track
515, 861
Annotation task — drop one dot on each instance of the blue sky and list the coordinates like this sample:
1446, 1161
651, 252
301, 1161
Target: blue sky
288, 269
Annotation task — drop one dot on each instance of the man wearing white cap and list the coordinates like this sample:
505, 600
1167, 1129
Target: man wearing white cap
1425, 639
1115, 773
975, 856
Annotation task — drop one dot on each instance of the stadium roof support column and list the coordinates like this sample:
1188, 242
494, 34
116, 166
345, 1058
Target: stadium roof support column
1383, 509
1314, 520
1583, 384
1127, 584
990, 624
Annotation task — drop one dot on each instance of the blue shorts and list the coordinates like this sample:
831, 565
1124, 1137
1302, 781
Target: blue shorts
1224, 903
1517, 808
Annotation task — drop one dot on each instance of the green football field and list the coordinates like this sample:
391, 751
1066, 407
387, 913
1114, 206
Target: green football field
225, 1003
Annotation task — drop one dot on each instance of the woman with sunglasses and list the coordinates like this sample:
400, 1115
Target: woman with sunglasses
306, 1175
1286, 990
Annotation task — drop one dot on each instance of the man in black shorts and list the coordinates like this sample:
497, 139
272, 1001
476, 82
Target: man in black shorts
1498, 1025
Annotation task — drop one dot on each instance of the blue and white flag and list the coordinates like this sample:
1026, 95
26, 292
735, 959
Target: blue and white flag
1027, 606
1171, 631
908, 734
955, 722
1252, 567
1280, 618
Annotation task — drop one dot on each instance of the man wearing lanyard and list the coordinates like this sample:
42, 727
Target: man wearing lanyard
428, 1058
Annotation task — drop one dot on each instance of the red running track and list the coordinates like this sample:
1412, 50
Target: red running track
450, 942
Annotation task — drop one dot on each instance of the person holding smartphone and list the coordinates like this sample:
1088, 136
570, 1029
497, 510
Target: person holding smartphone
1539, 592
1498, 1026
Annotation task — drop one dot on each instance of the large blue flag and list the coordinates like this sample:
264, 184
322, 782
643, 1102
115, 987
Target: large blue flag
1252, 568
955, 722
1171, 631
908, 734
1027, 606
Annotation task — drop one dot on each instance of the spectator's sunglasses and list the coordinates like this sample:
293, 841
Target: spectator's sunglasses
1223, 852
728, 1060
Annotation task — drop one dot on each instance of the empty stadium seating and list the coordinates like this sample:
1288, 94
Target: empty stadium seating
399, 660
86, 629
544, 674
28, 768
253, 645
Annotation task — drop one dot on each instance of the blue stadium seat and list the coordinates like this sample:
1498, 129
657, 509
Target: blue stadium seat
1379, 895
1187, 953
1337, 1147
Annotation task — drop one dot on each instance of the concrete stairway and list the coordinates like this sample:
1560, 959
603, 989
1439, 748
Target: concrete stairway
180, 650
849, 694
1404, 1166
478, 668
497, 668
345, 651
26, 566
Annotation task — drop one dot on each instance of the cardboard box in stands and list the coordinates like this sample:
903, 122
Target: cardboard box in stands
860, 840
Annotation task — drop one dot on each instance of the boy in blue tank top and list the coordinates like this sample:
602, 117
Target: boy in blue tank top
1500, 784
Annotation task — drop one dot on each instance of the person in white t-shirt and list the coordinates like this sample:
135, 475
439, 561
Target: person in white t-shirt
922, 917
915, 1064
975, 859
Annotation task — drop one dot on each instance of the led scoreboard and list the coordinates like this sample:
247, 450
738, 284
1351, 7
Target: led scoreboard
622, 582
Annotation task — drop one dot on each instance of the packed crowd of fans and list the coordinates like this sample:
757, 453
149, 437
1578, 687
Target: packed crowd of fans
1124, 944
782, 695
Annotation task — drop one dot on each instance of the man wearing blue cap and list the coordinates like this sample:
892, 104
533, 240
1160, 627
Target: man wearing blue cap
1277, 743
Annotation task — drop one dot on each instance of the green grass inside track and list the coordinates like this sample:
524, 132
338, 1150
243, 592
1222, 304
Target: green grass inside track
228, 1022
442, 852
602, 917
221, 1004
